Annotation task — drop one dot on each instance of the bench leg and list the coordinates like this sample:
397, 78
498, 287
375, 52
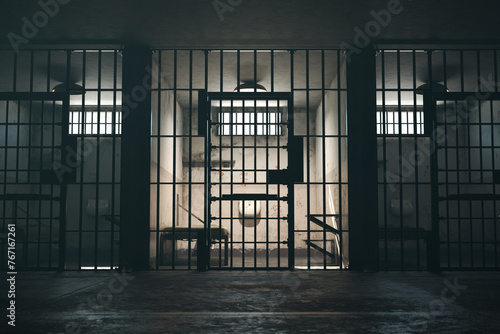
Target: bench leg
203, 254
226, 251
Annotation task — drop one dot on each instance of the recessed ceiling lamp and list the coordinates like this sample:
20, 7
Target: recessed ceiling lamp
434, 87
250, 87
74, 89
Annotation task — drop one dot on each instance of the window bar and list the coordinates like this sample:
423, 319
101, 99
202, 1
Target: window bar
174, 165
190, 154
159, 254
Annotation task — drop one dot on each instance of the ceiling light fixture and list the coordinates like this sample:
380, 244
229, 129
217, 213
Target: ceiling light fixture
250, 87
74, 89
435, 87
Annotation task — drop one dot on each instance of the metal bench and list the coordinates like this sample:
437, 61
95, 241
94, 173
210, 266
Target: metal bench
194, 233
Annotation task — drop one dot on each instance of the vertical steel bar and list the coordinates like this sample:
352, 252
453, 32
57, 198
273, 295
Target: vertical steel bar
267, 183
308, 170
221, 64
32, 146
98, 160
159, 255
114, 134
255, 156
340, 155
5, 166
221, 133
190, 153
323, 139
416, 127
481, 165
290, 186
494, 166
174, 165
457, 165
81, 134
445, 121
400, 160
208, 179
231, 203
53, 148
469, 167
40, 184
63, 186
384, 159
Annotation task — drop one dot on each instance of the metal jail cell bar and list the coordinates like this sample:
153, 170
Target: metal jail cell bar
198, 156
448, 170
32, 194
83, 164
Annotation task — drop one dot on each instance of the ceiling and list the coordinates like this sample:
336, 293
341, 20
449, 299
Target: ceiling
287, 24
259, 23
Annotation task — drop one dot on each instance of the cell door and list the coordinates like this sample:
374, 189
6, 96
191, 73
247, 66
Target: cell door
33, 192
467, 180
250, 181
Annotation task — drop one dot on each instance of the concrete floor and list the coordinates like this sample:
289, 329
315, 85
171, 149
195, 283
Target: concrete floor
257, 302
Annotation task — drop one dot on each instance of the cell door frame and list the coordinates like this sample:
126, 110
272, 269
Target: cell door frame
286, 177
53, 97
431, 125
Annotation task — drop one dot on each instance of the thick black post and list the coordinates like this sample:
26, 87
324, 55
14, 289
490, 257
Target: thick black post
362, 160
433, 251
135, 158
